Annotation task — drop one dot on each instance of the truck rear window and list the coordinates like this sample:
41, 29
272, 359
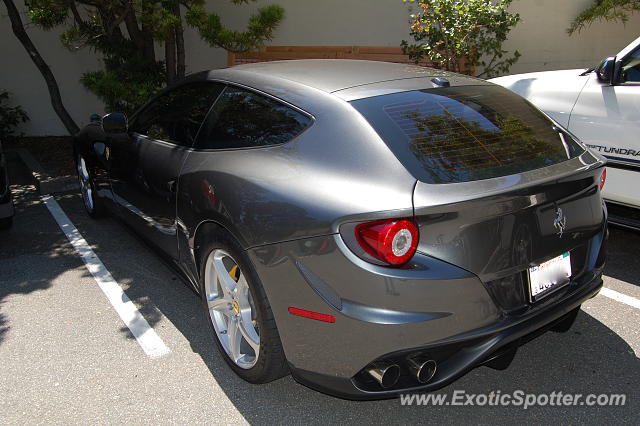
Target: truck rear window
466, 133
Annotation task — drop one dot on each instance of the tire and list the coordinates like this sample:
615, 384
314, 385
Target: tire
92, 204
239, 309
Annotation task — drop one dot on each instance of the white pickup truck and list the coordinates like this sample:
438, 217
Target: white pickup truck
601, 106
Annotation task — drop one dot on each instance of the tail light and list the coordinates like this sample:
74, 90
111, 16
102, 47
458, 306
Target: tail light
603, 178
393, 241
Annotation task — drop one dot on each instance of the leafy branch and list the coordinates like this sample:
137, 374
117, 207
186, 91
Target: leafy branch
127, 32
604, 10
462, 35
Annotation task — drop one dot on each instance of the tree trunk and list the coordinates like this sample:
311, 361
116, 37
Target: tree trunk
52, 84
110, 23
139, 38
180, 66
76, 15
170, 57
149, 47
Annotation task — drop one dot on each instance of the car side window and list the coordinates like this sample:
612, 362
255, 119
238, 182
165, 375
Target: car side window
631, 68
176, 116
242, 119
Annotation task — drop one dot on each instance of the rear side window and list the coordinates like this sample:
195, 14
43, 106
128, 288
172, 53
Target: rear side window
241, 119
177, 115
461, 134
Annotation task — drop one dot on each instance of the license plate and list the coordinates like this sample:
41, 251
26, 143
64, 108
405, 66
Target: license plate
549, 276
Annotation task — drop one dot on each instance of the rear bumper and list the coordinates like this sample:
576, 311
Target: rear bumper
388, 314
470, 350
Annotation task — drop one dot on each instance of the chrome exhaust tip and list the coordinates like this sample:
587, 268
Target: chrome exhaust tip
386, 375
423, 371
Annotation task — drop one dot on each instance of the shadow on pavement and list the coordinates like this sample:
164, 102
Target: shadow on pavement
590, 358
33, 252
571, 363
623, 255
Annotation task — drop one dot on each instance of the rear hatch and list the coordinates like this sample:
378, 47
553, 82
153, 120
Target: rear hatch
500, 187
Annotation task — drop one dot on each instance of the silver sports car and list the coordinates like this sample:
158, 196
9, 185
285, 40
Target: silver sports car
370, 228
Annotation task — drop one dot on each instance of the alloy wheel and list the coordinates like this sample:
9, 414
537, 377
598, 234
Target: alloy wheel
231, 309
85, 184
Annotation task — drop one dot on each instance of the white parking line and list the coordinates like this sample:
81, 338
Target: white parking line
622, 298
150, 342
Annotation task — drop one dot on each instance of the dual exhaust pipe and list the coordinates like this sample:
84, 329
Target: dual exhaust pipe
387, 374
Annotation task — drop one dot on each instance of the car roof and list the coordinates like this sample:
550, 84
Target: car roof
334, 75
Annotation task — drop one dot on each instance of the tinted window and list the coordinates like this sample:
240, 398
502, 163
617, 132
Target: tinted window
460, 134
631, 68
177, 115
241, 118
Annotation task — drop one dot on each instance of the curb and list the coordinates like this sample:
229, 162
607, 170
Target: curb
45, 183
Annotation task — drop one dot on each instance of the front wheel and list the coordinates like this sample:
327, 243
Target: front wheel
88, 189
238, 311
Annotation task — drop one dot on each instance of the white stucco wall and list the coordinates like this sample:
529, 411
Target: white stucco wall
540, 37
19, 75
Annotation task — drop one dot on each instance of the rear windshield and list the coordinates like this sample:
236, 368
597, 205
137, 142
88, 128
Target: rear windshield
461, 134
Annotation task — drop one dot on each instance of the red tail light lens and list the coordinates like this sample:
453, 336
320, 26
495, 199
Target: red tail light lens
603, 178
391, 240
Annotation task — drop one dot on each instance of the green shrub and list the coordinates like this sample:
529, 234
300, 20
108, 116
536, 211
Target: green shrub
10, 116
462, 35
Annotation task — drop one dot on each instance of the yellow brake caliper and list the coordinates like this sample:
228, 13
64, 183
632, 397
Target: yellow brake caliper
235, 275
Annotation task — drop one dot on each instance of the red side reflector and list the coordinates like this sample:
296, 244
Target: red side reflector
313, 315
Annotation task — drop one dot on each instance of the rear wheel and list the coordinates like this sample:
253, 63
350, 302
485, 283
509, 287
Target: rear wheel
238, 311
88, 189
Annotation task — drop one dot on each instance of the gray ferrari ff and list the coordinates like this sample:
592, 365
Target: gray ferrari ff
370, 228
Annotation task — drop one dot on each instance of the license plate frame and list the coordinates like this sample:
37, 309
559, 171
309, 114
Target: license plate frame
549, 276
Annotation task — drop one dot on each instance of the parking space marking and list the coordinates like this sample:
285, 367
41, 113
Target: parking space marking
619, 297
150, 342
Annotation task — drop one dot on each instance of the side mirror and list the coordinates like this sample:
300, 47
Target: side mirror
116, 122
605, 71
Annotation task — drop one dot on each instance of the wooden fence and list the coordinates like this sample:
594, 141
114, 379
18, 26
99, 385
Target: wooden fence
279, 53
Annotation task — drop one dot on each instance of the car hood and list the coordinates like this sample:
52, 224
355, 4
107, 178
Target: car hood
554, 92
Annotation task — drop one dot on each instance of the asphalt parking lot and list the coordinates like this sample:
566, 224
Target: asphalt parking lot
67, 357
